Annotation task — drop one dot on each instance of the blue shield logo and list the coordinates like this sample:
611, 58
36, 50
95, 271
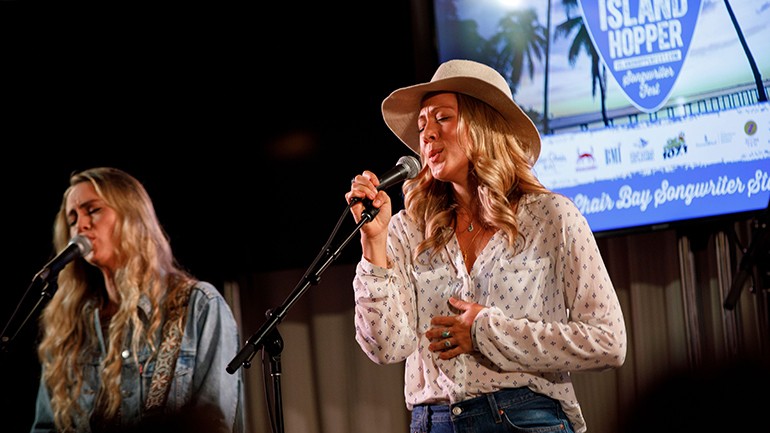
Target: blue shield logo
644, 43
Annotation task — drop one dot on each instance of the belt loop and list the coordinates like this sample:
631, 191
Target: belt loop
494, 408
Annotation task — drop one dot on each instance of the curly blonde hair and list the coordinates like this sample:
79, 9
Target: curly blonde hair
147, 268
500, 170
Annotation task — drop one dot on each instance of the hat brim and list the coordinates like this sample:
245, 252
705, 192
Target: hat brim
401, 109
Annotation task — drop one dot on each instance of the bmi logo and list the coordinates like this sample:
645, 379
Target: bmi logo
612, 155
644, 43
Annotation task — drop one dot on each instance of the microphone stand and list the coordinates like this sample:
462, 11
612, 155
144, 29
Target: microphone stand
756, 253
78, 246
268, 337
45, 294
273, 348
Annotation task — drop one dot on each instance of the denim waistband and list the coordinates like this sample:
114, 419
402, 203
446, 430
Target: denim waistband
488, 403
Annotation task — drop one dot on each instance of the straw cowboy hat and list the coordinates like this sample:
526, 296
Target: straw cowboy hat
400, 108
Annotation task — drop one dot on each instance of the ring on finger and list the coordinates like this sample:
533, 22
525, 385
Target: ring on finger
446, 334
447, 344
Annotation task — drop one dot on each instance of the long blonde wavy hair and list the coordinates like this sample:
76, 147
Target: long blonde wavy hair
500, 170
147, 267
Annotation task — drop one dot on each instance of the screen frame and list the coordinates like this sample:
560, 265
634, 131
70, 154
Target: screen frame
628, 115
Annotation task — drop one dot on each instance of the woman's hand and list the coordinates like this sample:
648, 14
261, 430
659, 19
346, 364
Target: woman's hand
374, 234
451, 335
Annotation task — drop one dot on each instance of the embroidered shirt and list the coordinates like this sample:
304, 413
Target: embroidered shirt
550, 309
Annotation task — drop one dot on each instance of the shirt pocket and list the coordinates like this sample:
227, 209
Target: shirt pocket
91, 380
523, 288
181, 385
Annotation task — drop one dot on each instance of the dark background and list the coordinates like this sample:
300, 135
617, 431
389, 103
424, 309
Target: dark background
244, 122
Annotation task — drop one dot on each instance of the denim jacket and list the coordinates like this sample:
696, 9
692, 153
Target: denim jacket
211, 339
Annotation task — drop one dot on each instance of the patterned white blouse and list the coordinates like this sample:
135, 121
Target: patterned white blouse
550, 309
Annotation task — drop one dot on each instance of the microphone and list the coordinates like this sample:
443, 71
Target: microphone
407, 167
78, 246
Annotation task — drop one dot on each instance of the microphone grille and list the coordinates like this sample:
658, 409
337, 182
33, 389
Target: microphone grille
83, 244
412, 165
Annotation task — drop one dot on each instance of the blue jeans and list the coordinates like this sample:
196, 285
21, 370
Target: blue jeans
518, 410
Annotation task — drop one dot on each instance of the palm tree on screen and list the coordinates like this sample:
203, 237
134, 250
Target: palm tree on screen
466, 41
582, 42
520, 43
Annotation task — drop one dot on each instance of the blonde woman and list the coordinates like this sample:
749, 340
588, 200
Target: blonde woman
489, 286
129, 338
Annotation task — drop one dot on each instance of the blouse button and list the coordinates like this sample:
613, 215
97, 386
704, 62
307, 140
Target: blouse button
125, 354
457, 410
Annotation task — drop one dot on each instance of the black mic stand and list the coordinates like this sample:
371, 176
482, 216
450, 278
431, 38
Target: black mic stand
756, 253
78, 246
273, 348
45, 294
268, 337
